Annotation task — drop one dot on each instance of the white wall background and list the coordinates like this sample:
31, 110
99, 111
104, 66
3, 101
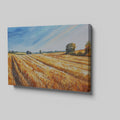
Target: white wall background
34, 104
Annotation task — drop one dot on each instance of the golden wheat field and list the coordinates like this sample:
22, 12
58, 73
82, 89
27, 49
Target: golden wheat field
50, 70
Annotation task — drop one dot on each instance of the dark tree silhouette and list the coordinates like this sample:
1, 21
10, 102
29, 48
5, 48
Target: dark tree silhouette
40, 51
28, 52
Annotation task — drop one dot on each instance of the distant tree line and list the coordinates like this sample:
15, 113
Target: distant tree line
70, 49
12, 51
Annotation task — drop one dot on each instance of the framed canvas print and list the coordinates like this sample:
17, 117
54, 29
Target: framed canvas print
50, 57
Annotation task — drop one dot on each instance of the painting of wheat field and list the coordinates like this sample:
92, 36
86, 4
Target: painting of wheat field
50, 57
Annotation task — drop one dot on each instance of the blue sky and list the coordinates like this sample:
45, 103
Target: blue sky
46, 38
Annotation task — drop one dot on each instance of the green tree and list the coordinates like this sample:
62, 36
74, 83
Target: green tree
88, 44
70, 48
88, 48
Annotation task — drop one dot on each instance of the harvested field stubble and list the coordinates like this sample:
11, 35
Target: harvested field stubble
52, 71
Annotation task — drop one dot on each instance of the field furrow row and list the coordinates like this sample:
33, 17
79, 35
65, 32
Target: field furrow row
65, 80
29, 74
11, 80
50, 72
68, 58
42, 73
67, 67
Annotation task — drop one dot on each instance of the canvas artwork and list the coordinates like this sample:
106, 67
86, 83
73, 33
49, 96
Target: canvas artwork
50, 57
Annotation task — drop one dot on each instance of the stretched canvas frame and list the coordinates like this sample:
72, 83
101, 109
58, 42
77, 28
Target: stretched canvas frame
52, 57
